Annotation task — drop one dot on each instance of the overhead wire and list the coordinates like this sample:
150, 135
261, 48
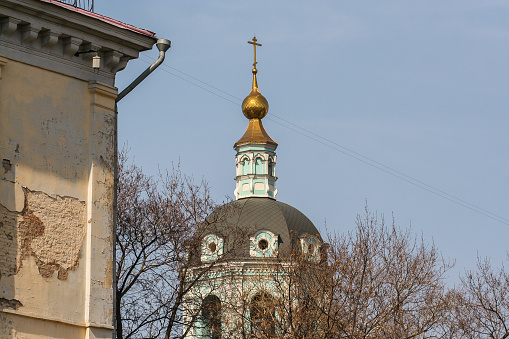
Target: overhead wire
335, 146
400, 174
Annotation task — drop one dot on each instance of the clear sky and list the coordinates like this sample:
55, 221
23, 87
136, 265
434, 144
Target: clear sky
418, 86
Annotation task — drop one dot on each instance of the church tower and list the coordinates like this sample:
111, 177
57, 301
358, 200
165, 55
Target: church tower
240, 265
256, 157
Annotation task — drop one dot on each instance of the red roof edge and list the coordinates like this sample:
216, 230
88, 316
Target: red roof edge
102, 18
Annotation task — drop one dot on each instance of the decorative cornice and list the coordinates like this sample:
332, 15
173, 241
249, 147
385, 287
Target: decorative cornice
29, 33
257, 176
8, 25
48, 36
71, 45
68, 16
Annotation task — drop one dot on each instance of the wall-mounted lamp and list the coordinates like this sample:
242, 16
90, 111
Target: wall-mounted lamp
96, 60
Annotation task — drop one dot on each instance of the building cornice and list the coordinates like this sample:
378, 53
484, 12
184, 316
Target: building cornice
46, 35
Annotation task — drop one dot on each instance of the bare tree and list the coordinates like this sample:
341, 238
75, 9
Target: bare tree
157, 220
483, 311
375, 282
386, 283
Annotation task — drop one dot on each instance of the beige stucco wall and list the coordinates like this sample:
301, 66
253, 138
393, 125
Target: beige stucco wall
56, 204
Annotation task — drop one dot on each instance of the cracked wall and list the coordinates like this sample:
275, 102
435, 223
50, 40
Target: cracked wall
51, 229
56, 200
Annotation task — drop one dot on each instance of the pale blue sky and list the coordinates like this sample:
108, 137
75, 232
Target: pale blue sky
419, 86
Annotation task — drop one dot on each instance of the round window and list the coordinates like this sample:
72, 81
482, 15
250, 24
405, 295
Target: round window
212, 246
263, 244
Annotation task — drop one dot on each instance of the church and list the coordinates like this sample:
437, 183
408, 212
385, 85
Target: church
250, 249
58, 148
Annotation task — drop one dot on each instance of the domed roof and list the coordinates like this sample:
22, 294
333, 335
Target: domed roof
255, 106
255, 133
243, 218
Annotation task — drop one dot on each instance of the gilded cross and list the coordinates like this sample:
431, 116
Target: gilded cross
254, 45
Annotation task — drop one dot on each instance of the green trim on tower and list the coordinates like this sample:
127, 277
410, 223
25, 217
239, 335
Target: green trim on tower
256, 172
256, 156
255, 147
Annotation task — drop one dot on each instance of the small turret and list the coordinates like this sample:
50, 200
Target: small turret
256, 157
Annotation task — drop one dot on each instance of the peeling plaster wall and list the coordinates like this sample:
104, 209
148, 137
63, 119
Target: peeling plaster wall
51, 229
56, 203
57, 138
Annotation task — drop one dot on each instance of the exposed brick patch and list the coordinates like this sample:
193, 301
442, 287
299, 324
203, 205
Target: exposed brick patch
10, 303
29, 227
51, 229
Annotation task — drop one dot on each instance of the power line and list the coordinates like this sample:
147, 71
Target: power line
404, 177
192, 83
410, 178
342, 149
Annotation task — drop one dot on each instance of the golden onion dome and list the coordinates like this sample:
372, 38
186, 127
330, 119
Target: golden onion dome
255, 106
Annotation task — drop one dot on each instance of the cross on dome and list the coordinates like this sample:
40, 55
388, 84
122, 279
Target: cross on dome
256, 157
254, 43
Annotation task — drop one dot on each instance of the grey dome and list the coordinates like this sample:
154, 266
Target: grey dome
238, 220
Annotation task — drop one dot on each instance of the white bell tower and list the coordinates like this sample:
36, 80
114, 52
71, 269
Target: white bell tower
256, 157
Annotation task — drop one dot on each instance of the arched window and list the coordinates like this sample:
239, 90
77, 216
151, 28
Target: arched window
245, 166
259, 166
271, 167
211, 317
263, 315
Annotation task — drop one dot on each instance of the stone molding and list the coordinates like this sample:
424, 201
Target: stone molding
57, 320
48, 36
271, 248
240, 268
103, 90
207, 255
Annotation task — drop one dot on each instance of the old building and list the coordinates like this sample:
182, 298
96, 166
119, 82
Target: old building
248, 247
57, 147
